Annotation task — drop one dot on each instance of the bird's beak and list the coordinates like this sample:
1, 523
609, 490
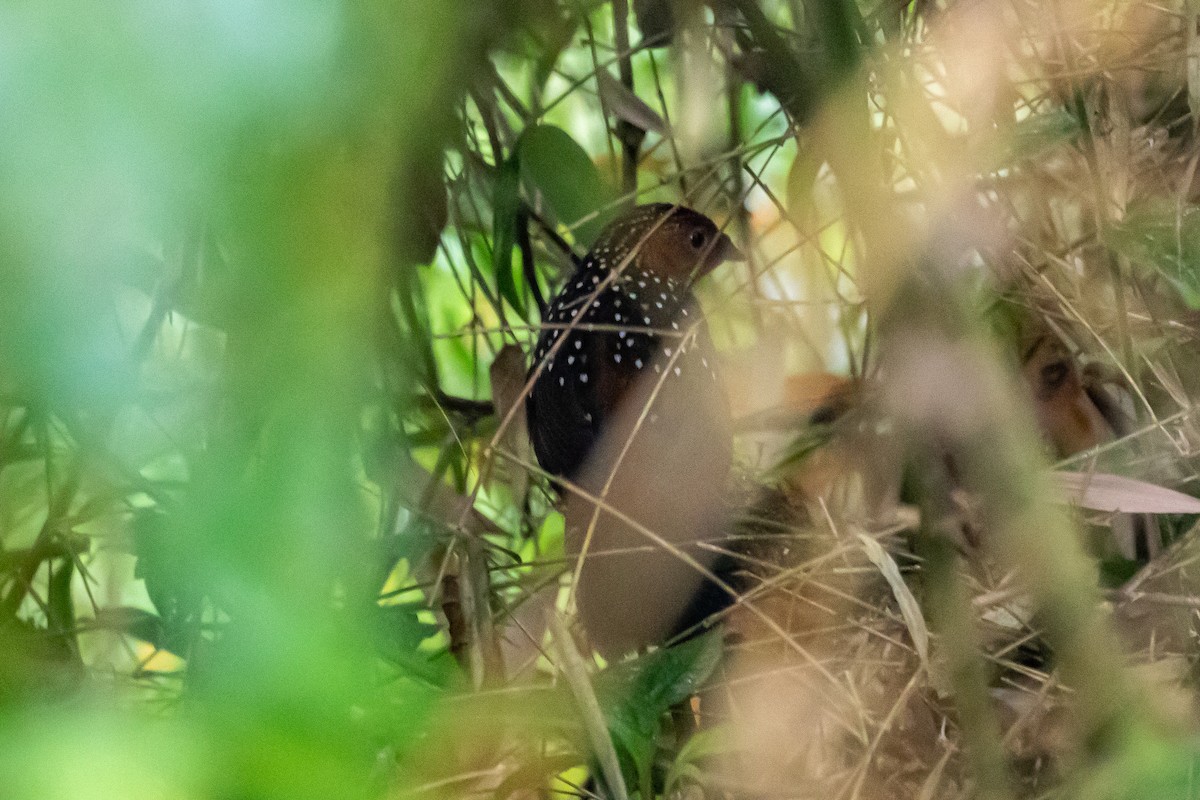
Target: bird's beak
722, 250
728, 251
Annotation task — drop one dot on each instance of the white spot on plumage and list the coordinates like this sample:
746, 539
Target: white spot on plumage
677, 370
579, 344
617, 358
637, 362
583, 377
570, 359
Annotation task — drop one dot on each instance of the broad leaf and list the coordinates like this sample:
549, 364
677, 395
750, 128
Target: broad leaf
569, 183
636, 694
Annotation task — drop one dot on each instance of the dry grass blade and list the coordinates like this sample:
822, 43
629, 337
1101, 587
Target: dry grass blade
575, 671
910, 609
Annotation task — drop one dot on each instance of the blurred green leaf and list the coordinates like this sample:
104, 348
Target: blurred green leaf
205, 287
60, 608
558, 26
1164, 240
1143, 764
1115, 571
172, 582
1036, 133
836, 25
136, 622
419, 211
690, 761
656, 20
399, 634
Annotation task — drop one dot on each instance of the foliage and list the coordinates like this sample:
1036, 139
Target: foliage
268, 523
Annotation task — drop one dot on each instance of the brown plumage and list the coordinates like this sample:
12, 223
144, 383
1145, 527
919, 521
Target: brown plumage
623, 315
627, 406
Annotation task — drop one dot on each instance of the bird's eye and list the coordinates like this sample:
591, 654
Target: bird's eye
1054, 376
697, 239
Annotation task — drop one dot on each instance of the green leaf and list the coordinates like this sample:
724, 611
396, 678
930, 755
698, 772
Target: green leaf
399, 633
506, 203
835, 25
1144, 763
1161, 240
1115, 571
419, 210
166, 565
60, 611
557, 34
636, 694
689, 762
569, 183
1034, 135
656, 20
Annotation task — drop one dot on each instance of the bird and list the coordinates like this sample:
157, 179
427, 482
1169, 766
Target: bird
624, 314
627, 411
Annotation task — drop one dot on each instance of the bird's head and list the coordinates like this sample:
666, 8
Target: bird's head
665, 239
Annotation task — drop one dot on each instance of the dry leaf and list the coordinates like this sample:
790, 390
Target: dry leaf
1101, 491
